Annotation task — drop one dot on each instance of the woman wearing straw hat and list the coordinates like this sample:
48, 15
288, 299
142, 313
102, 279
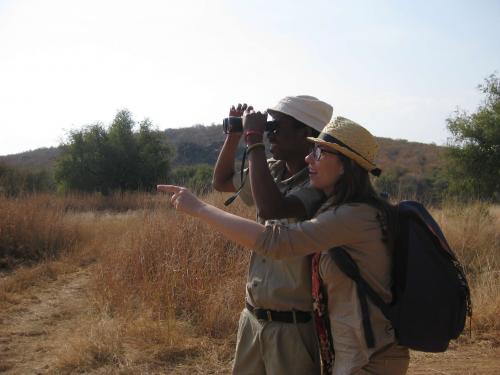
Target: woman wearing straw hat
353, 217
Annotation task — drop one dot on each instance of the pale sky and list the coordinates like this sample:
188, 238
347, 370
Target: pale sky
399, 68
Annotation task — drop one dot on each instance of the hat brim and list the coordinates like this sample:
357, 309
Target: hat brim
365, 164
313, 124
273, 112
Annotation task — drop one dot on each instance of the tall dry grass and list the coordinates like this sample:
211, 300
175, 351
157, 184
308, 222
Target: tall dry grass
173, 265
44, 235
115, 202
33, 228
473, 232
166, 288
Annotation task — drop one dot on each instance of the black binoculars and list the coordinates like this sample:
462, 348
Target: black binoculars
233, 124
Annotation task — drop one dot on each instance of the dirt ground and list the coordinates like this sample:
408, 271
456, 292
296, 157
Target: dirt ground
30, 329
33, 330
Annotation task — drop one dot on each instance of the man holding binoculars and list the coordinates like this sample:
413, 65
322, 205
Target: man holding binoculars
276, 330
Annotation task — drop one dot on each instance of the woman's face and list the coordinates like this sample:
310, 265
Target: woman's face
325, 168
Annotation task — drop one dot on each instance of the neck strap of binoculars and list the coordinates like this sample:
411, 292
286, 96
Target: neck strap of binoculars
243, 177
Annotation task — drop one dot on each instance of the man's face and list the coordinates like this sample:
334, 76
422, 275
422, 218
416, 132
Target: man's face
287, 139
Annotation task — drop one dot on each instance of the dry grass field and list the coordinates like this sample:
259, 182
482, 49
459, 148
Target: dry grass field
125, 285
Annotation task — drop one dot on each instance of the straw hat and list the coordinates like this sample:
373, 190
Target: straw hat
307, 109
352, 140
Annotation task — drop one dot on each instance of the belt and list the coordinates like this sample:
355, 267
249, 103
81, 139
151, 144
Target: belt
293, 316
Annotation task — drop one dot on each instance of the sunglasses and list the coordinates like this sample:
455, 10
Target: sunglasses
274, 127
317, 152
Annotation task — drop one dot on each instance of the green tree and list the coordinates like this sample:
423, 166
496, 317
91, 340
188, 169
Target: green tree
124, 152
15, 181
85, 163
474, 152
154, 155
197, 177
114, 159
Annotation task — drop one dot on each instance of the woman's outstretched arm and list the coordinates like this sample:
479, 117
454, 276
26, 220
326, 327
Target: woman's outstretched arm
240, 230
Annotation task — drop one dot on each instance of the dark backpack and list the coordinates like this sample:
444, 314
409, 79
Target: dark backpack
431, 295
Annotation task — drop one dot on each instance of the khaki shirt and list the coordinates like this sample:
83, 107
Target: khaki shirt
356, 228
282, 285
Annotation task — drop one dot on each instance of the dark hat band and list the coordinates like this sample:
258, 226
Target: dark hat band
331, 139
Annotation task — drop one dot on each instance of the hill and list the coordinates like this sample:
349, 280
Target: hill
409, 168
196, 145
201, 144
421, 158
41, 158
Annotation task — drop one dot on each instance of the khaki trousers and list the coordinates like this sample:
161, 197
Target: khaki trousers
392, 360
275, 348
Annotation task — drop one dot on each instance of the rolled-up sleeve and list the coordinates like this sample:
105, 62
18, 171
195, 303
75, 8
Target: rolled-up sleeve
329, 229
245, 193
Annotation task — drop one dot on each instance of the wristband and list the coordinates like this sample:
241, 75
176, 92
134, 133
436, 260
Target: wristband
254, 146
253, 132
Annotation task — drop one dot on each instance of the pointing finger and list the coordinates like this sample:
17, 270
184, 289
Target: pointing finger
169, 188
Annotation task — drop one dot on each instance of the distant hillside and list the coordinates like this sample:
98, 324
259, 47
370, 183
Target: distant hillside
197, 144
197, 134
419, 158
201, 144
41, 158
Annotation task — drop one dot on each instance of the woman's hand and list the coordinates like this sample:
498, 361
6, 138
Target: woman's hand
243, 231
182, 199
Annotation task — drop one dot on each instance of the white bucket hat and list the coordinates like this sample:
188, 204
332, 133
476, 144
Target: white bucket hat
306, 109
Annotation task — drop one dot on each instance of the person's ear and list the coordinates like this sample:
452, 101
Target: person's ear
302, 134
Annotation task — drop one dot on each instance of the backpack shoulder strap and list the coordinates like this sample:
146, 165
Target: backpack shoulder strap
347, 265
